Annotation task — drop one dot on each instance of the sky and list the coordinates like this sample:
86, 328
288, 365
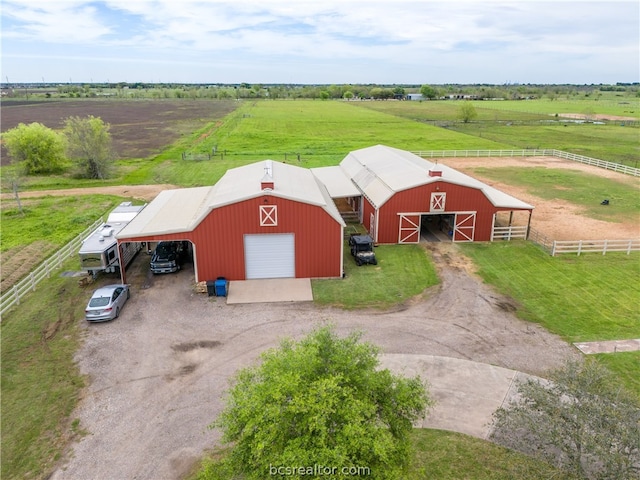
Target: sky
392, 42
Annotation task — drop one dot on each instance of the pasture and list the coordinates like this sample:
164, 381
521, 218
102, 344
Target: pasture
534, 124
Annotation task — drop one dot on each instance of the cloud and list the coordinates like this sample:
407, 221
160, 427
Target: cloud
399, 35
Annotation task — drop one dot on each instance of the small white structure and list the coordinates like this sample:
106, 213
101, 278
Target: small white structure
99, 251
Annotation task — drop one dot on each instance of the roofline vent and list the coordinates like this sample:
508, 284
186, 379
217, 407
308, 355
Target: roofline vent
267, 181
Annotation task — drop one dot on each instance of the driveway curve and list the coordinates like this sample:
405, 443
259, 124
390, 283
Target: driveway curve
157, 375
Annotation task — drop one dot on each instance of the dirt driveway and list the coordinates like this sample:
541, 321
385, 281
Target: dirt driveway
157, 375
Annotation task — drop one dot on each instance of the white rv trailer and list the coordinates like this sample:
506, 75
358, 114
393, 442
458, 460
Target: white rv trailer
99, 251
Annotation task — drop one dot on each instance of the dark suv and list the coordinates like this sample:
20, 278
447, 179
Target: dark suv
167, 257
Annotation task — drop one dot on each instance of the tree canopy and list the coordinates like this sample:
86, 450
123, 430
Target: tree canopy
580, 421
89, 146
35, 148
467, 112
321, 401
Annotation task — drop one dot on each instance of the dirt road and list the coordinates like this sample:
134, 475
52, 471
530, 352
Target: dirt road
158, 374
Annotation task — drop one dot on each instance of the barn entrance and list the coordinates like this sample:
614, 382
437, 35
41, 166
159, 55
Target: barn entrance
436, 227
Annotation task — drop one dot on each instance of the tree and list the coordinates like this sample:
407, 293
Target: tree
467, 112
321, 401
428, 91
36, 148
89, 145
580, 420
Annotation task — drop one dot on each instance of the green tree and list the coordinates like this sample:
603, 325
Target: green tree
89, 146
348, 95
320, 401
35, 149
580, 421
428, 91
467, 112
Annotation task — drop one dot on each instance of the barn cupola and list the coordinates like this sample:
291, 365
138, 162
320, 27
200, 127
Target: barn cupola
435, 171
267, 180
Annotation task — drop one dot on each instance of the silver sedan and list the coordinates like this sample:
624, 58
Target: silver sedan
106, 303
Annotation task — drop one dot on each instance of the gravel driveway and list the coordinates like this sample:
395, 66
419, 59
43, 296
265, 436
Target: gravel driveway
157, 375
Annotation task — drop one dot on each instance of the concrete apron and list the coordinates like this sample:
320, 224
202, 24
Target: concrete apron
270, 290
466, 393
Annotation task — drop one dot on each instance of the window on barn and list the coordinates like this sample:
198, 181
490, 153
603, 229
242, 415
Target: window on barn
268, 215
438, 202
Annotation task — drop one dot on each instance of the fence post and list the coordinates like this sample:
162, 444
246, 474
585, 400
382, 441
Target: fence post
629, 247
579, 247
16, 295
553, 249
33, 281
604, 248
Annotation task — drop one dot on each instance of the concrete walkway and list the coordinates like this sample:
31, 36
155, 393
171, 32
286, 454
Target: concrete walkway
466, 393
270, 290
611, 346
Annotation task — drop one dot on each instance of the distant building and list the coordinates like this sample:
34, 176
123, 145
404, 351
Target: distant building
414, 96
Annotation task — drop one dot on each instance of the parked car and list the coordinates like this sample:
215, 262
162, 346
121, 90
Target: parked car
106, 303
168, 257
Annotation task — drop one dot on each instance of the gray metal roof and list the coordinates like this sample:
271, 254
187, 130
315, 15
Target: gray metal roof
381, 171
181, 210
337, 181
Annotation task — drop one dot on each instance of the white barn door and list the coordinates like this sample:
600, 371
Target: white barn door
270, 256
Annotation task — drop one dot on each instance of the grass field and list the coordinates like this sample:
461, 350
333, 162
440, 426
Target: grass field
40, 381
318, 133
526, 124
403, 271
586, 298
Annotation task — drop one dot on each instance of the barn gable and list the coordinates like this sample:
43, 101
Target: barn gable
403, 193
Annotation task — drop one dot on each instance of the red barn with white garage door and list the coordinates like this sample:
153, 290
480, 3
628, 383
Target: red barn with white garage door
403, 194
264, 220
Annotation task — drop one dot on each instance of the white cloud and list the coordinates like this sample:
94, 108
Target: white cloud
492, 35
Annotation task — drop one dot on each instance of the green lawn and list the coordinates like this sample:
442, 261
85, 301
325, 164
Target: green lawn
438, 455
587, 298
40, 381
582, 298
403, 271
303, 132
55, 219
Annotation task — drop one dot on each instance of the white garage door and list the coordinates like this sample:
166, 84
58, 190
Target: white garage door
270, 256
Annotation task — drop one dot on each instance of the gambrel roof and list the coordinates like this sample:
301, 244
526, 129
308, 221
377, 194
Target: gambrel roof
380, 171
182, 210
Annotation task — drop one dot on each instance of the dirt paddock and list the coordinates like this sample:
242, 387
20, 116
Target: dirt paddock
556, 219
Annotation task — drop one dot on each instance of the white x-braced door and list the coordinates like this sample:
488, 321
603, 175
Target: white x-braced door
465, 227
409, 231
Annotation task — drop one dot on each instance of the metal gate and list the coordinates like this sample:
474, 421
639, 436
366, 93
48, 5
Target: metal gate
270, 256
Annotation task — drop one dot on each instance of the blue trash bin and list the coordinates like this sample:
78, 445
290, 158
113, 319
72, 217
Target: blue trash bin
221, 287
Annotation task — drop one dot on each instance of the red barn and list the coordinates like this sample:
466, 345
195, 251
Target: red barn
404, 196
264, 220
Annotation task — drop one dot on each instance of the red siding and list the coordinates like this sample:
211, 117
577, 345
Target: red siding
459, 199
219, 239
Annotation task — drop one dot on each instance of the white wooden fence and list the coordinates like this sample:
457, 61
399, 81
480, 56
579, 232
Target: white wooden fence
509, 233
44, 270
594, 246
616, 167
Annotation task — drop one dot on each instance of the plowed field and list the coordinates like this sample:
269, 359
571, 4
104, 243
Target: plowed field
139, 128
